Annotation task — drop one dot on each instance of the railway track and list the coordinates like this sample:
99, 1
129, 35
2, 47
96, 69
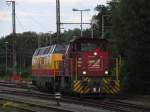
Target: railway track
23, 84
31, 106
109, 104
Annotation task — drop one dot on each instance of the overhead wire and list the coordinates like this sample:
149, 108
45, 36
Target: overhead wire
19, 22
33, 19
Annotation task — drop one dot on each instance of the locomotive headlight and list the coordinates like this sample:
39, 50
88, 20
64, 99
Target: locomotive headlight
94, 89
106, 72
95, 53
99, 89
84, 72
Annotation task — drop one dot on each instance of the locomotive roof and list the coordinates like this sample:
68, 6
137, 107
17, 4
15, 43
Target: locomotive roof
83, 39
49, 49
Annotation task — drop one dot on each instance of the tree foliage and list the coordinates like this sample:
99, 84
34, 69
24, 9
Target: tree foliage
105, 12
26, 43
131, 30
129, 34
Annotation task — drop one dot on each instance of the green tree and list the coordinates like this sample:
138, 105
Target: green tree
131, 31
105, 12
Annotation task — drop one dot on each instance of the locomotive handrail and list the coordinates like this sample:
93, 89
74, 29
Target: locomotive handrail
76, 70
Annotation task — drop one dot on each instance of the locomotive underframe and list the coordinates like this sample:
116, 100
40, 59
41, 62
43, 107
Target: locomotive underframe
85, 85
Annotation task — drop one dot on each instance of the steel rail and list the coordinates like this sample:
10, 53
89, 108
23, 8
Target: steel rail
112, 104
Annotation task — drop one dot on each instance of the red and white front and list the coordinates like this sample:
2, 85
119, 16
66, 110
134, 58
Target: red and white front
94, 63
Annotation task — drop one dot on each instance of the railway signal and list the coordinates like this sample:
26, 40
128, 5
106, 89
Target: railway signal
6, 43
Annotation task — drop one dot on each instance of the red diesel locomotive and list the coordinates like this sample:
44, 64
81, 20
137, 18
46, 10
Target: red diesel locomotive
82, 66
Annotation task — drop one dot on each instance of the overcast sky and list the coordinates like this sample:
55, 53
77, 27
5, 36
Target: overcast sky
40, 15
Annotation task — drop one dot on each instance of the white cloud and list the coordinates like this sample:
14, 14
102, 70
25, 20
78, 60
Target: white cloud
64, 1
75, 18
36, 1
32, 12
28, 14
5, 16
49, 1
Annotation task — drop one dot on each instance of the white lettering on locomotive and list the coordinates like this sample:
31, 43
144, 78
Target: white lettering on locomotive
94, 63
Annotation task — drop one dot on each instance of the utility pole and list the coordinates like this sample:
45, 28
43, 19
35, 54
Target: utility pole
14, 35
39, 40
92, 31
81, 23
58, 19
58, 22
103, 25
50, 37
6, 56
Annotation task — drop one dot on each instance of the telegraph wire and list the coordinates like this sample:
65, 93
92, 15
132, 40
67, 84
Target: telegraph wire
19, 22
33, 19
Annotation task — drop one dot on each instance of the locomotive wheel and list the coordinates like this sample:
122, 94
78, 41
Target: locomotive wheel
34, 82
49, 86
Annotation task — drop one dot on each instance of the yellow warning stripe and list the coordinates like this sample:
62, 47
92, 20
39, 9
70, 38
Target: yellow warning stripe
88, 90
111, 89
77, 87
105, 81
114, 90
76, 83
117, 83
106, 90
85, 89
117, 88
80, 89
86, 79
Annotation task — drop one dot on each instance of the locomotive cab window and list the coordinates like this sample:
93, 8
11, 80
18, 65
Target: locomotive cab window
59, 49
90, 46
46, 51
36, 52
40, 51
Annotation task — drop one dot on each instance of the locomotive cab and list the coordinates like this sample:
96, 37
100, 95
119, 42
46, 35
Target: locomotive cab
92, 56
45, 66
89, 63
